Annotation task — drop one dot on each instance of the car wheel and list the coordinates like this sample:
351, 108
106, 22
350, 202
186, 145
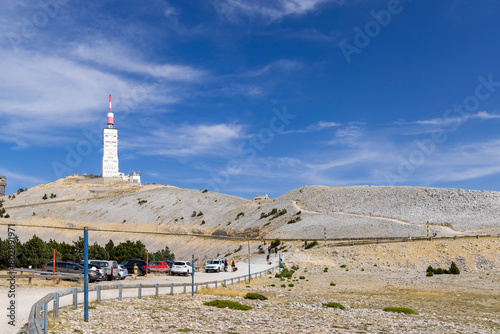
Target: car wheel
218, 270
105, 277
140, 273
109, 278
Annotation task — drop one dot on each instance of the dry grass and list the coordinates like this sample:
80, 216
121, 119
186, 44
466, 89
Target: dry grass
221, 292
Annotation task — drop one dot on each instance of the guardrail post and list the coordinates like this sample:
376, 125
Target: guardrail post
75, 298
171, 288
477, 236
196, 287
232, 281
224, 283
238, 279
185, 287
98, 290
206, 283
45, 320
157, 287
139, 288
55, 310
216, 284
455, 237
120, 291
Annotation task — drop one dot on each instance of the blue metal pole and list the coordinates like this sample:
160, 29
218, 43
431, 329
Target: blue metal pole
192, 275
86, 274
279, 265
249, 272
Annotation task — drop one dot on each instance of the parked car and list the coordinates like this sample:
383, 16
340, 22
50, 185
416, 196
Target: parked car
110, 268
215, 265
123, 271
181, 268
159, 266
98, 269
67, 267
170, 263
129, 264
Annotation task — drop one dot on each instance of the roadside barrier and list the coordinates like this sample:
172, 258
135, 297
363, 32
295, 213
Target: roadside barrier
38, 319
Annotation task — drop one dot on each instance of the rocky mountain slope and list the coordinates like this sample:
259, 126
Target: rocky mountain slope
345, 212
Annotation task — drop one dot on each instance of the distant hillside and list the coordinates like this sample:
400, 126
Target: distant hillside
361, 211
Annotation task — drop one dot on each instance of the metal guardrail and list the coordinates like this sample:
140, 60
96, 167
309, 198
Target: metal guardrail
38, 319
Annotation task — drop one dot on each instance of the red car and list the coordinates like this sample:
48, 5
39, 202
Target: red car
159, 267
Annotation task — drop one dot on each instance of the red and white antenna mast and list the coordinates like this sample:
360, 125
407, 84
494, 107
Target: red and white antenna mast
111, 116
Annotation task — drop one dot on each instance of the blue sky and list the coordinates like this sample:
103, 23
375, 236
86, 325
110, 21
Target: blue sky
245, 97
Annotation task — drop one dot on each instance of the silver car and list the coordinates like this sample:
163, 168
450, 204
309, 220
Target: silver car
122, 271
181, 268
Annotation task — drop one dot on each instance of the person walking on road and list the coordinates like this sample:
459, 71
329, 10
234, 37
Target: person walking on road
269, 249
136, 270
233, 265
275, 251
225, 264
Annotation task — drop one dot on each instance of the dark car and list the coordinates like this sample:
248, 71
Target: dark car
129, 264
67, 267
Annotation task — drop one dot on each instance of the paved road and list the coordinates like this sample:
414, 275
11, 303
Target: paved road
27, 296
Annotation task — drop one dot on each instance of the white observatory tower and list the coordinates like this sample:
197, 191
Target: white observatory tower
110, 148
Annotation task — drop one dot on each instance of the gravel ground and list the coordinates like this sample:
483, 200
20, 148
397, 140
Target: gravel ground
366, 279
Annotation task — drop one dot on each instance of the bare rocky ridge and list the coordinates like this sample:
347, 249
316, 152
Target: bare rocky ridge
346, 212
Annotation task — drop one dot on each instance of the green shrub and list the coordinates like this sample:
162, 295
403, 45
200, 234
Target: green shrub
291, 285
295, 267
454, 269
275, 243
298, 213
325, 270
302, 277
253, 295
439, 271
430, 274
200, 214
193, 214
332, 284
334, 305
241, 214
228, 304
343, 266
283, 285
204, 191
400, 310
285, 273
311, 244
273, 285
202, 222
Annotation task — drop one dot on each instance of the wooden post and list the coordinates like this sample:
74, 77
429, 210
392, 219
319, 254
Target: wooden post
147, 263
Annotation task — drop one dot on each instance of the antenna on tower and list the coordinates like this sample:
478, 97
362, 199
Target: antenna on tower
111, 116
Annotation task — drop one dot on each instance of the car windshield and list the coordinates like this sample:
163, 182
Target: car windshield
210, 262
179, 263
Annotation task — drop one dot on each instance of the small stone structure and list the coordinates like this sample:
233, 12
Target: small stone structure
259, 198
3, 183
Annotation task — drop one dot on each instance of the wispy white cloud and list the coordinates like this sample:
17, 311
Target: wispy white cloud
321, 125
124, 59
234, 10
188, 140
18, 177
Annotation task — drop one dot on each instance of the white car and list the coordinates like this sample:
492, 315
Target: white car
181, 268
216, 265
122, 271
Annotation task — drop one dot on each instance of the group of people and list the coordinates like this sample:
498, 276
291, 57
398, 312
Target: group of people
233, 265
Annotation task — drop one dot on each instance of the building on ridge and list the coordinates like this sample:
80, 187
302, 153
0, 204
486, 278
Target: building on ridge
110, 164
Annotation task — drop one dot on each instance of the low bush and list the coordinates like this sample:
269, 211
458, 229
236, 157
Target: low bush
228, 304
253, 295
400, 310
325, 270
343, 266
285, 273
311, 244
332, 284
283, 285
291, 285
302, 277
334, 305
295, 267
